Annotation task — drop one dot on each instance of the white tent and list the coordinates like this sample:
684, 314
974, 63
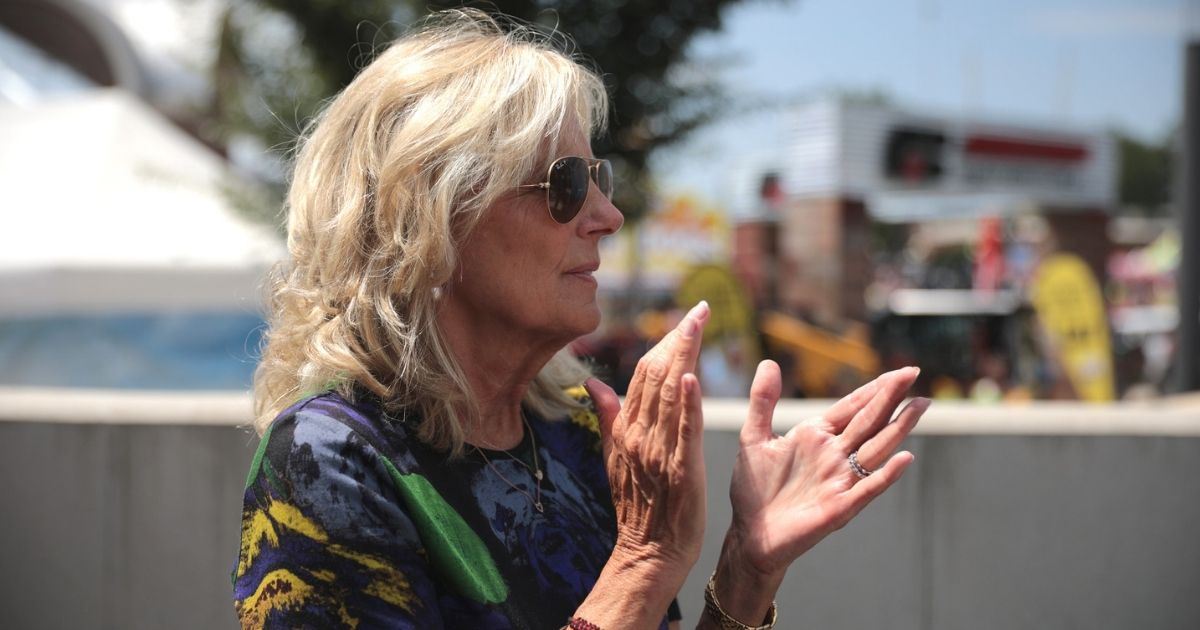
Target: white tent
107, 207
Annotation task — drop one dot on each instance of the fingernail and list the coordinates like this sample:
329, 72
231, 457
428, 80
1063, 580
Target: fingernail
691, 321
689, 326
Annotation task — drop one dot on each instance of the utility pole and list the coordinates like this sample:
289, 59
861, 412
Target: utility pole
1187, 353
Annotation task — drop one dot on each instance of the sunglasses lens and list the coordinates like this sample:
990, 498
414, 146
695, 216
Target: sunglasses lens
604, 178
568, 188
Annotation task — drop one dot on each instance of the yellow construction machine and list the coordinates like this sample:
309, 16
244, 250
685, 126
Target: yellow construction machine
824, 363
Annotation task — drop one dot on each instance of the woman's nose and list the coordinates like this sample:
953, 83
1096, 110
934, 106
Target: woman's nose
600, 215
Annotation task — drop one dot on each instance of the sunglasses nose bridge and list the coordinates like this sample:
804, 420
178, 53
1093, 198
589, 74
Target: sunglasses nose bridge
598, 213
600, 172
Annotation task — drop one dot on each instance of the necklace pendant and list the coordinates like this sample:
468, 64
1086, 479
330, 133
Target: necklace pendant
538, 474
538, 506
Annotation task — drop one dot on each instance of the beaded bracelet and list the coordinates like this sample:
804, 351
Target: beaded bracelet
726, 622
579, 623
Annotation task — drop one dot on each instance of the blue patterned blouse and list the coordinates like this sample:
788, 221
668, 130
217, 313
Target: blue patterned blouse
350, 521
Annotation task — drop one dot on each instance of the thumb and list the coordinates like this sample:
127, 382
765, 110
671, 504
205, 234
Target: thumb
764, 393
608, 407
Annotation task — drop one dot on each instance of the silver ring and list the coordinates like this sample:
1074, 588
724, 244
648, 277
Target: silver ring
858, 469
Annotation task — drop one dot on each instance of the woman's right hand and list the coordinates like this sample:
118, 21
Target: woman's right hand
653, 449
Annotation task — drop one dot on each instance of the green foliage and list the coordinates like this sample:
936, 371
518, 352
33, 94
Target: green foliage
273, 72
280, 59
1145, 176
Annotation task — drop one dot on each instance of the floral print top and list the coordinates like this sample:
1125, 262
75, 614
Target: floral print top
349, 521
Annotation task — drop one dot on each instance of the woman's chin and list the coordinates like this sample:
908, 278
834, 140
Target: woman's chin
585, 322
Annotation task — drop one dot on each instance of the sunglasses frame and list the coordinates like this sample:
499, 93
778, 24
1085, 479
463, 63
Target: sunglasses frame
593, 172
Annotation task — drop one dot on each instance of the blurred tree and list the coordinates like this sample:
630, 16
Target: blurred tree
275, 67
1145, 176
278, 60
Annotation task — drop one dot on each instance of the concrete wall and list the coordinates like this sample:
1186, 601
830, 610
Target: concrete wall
1003, 532
111, 526
121, 511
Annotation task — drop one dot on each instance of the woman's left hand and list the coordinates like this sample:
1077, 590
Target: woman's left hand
789, 492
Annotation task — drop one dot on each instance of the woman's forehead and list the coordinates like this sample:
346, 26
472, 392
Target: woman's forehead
572, 141
568, 140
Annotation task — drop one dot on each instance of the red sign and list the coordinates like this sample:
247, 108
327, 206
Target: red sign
1018, 148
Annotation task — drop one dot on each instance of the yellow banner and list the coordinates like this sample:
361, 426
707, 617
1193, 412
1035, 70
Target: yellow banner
1071, 310
730, 351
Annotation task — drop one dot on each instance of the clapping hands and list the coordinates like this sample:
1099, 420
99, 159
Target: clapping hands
788, 492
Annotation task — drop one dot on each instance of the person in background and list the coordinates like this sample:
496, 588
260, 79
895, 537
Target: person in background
429, 458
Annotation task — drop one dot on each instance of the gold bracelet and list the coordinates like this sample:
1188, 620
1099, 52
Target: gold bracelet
724, 621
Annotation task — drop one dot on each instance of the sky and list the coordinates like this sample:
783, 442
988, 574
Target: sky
1081, 64
1078, 64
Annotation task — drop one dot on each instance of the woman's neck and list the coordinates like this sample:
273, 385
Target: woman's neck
499, 366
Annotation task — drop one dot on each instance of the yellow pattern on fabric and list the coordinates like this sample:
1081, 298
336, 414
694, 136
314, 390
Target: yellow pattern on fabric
283, 589
396, 593
587, 419
292, 518
324, 575
279, 590
259, 525
256, 526
387, 582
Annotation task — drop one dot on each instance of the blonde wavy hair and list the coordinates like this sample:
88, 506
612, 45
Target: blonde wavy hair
388, 184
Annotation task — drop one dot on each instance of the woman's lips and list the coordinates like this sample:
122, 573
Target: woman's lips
584, 272
584, 268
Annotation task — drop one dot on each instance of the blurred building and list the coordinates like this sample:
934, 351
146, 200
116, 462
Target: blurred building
929, 230
804, 242
128, 258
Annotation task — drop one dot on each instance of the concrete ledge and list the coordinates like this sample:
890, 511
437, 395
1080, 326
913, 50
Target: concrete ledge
106, 406
1177, 416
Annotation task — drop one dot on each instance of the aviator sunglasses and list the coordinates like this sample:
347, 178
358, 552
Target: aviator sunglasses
567, 184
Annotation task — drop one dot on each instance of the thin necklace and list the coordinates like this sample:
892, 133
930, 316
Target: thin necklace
536, 470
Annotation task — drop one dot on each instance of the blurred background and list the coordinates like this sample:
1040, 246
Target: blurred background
1004, 194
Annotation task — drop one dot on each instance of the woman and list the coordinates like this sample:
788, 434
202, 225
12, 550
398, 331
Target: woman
428, 459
